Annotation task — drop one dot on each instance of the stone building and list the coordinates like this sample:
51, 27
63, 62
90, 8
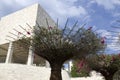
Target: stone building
10, 29
16, 24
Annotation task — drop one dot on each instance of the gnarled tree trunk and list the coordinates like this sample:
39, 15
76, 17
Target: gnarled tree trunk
56, 71
107, 74
109, 77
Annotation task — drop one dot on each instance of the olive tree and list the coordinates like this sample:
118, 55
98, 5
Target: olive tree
58, 45
107, 65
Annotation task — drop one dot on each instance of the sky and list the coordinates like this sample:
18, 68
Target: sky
101, 14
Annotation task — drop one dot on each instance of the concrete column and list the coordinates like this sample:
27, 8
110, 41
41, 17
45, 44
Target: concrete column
9, 53
30, 56
47, 64
70, 64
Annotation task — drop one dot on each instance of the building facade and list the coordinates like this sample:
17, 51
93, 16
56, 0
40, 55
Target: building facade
17, 24
11, 27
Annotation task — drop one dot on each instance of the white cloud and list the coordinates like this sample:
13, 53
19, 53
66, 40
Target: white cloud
70, 2
114, 44
61, 9
108, 4
117, 14
104, 33
111, 40
9, 6
19, 2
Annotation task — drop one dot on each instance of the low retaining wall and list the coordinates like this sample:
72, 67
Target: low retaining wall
24, 72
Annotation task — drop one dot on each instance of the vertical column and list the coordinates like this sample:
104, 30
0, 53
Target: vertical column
9, 53
30, 56
70, 65
47, 64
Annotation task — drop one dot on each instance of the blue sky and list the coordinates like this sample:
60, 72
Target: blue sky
101, 14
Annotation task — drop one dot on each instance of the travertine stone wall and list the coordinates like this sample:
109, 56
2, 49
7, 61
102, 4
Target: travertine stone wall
42, 16
24, 72
11, 21
28, 15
